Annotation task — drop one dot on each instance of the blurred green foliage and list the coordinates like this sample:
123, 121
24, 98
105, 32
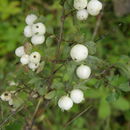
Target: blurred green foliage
9, 8
107, 94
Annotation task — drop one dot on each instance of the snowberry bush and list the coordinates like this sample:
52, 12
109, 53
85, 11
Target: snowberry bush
59, 65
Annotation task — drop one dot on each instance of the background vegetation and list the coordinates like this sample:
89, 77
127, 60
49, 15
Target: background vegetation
107, 105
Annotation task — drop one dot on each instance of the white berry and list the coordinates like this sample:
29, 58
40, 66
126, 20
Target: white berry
94, 13
20, 51
83, 72
30, 19
6, 96
28, 31
38, 28
35, 57
34, 95
65, 103
77, 96
33, 66
80, 4
37, 39
79, 52
94, 7
13, 83
82, 14
24, 59
11, 102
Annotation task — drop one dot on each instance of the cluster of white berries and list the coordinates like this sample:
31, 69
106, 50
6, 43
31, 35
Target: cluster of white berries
7, 96
79, 53
36, 31
31, 60
93, 7
33, 30
66, 102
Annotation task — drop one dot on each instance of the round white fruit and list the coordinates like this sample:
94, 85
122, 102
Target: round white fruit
30, 19
13, 83
94, 13
83, 72
94, 7
24, 59
33, 66
38, 29
77, 96
35, 57
20, 51
6, 96
79, 52
11, 102
65, 103
28, 31
82, 14
80, 4
37, 39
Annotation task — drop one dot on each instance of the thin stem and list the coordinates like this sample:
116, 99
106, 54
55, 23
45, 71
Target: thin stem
77, 116
61, 32
35, 112
98, 23
58, 46
71, 12
97, 26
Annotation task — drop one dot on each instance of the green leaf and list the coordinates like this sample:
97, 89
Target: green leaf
49, 40
34, 80
68, 4
41, 90
50, 95
104, 109
112, 97
70, 70
16, 125
99, 83
92, 93
57, 85
115, 81
121, 104
17, 102
124, 87
11, 8
124, 69
91, 47
23, 95
94, 61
